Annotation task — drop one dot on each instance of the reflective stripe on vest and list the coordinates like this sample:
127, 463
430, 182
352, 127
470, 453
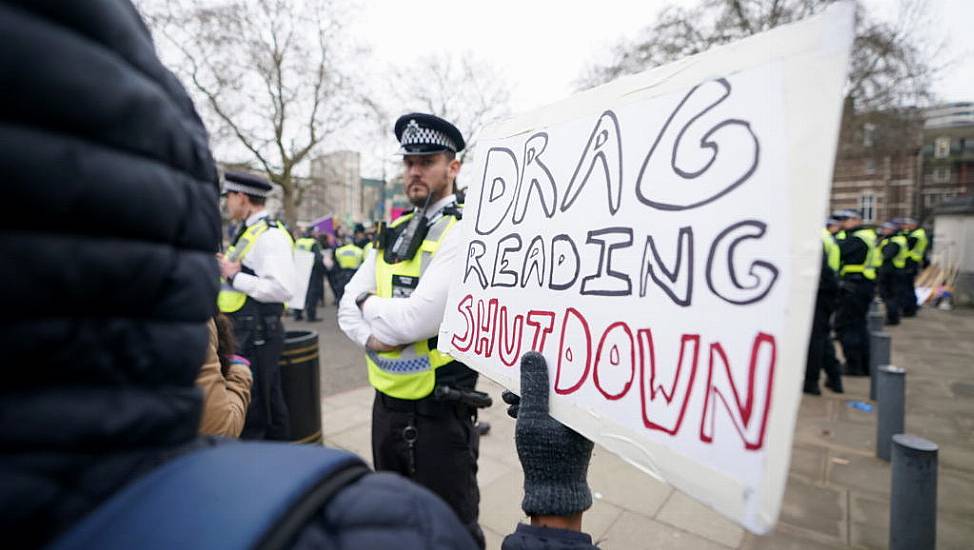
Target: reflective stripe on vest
410, 372
348, 256
305, 243
832, 252
899, 261
920, 246
230, 300
867, 236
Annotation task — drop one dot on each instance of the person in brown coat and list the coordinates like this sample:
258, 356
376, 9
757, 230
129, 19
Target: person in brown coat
225, 380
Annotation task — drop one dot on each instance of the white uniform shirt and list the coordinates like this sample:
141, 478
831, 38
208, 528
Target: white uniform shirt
272, 260
398, 321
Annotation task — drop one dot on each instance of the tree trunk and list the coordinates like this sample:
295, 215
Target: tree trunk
290, 208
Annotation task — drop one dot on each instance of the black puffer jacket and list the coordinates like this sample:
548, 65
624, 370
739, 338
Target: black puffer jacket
107, 274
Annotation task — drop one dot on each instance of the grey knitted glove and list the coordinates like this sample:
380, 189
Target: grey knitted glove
553, 456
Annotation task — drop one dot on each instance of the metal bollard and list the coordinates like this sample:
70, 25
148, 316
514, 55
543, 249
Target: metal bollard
891, 407
874, 306
913, 496
875, 321
878, 356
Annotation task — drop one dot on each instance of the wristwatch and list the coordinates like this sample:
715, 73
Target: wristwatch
361, 298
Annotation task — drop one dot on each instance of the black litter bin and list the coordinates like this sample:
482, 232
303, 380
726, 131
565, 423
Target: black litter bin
300, 378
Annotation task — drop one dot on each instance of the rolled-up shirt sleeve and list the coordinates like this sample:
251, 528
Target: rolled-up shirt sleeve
398, 321
272, 258
350, 318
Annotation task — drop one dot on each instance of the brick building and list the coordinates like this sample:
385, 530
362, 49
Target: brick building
947, 156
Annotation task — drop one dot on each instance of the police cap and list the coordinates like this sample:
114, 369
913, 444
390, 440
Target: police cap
423, 134
244, 182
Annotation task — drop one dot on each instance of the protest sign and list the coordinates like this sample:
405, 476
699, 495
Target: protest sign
304, 262
657, 240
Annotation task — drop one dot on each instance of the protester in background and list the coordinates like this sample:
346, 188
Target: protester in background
225, 380
891, 275
821, 352
258, 274
316, 283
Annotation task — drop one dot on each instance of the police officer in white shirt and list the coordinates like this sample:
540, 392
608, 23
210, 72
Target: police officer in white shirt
258, 273
425, 404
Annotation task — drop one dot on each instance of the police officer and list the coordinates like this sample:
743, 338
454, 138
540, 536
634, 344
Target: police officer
393, 307
857, 287
348, 258
891, 275
916, 239
821, 352
258, 273
316, 282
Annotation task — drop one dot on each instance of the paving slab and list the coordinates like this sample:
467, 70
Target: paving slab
837, 494
688, 514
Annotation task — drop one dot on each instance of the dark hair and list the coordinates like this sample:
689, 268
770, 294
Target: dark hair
255, 200
226, 344
450, 154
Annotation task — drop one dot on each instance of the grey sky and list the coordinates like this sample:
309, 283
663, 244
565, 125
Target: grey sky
543, 45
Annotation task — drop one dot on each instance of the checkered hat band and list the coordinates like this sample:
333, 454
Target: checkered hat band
427, 136
240, 188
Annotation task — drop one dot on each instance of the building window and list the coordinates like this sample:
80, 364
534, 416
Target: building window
931, 200
867, 205
870, 166
941, 147
941, 174
868, 134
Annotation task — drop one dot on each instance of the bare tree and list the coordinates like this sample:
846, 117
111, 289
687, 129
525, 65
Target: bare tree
268, 75
460, 88
892, 62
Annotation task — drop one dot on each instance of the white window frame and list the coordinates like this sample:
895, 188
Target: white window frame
941, 174
867, 205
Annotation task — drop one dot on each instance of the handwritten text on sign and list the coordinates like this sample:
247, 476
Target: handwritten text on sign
656, 239
637, 251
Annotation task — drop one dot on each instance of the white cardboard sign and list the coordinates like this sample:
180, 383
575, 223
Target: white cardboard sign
657, 239
304, 262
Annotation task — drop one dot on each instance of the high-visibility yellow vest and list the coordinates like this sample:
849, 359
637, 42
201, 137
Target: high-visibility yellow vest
229, 299
899, 261
832, 252
920, 246
348, 256
867, 268
305, 243
410, 372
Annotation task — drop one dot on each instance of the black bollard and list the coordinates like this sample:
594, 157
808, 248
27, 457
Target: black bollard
301, 384
875, 321
878, 356
891, 400
913, 496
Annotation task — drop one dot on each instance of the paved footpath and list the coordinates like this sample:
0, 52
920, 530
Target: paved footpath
837, 494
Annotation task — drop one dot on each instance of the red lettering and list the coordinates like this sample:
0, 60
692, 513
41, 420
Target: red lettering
660, 414
541, 331
720, 385
510, 347
465, 308
568, 355
615, 358
486, 324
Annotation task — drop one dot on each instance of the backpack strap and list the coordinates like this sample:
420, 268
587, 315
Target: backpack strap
232, 496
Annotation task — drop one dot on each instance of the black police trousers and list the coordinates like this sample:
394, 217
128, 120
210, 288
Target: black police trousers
435, 444
891, 284
261, 340
821, 352
855, 295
